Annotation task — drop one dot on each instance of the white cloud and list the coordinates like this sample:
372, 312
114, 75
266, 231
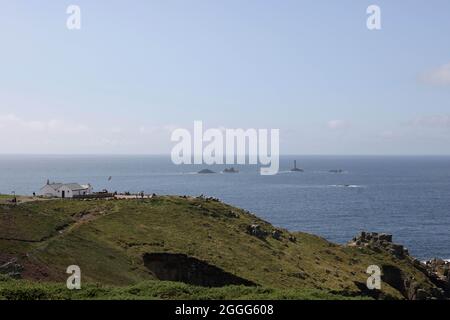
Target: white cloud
387, 134
164, 129
439, 76
21, 135
13, 123
116, 130
337, 124
436, 121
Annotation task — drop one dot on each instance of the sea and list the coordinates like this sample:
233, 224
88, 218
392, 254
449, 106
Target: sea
407, 196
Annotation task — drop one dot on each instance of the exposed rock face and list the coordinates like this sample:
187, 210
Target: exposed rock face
439, 267
379, 241
180, 267
436, 270
202, 197
276, 234
11, 269
257, 231
408, 286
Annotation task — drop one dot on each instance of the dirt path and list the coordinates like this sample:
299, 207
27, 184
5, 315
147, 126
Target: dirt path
84, 219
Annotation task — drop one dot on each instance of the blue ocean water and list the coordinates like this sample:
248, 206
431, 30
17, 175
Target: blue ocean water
406, 196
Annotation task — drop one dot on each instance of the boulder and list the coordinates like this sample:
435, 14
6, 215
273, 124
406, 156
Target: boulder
379, 241
255, 230
385, 237
11, 269
440, 269
396, 250
276, 234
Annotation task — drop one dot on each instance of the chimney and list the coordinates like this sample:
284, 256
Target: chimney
48, 181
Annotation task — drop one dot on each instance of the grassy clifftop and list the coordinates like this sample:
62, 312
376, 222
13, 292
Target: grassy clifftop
127, 243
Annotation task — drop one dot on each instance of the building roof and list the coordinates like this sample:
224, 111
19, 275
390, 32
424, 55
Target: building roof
71, 186
55, 186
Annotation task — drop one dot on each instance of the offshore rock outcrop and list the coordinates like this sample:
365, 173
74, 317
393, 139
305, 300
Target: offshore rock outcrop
206, 171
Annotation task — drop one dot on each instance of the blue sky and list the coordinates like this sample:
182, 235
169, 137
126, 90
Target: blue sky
138, 69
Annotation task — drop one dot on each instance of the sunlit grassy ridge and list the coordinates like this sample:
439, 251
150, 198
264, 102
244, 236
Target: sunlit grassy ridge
108, 238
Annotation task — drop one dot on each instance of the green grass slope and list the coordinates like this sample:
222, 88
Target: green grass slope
155, 290
108, 238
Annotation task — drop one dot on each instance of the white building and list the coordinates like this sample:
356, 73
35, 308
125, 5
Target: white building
65, 190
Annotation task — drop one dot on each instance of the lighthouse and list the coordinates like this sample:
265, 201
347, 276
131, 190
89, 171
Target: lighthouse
295, 169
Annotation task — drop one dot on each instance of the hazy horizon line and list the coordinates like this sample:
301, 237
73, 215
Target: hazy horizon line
281, 155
